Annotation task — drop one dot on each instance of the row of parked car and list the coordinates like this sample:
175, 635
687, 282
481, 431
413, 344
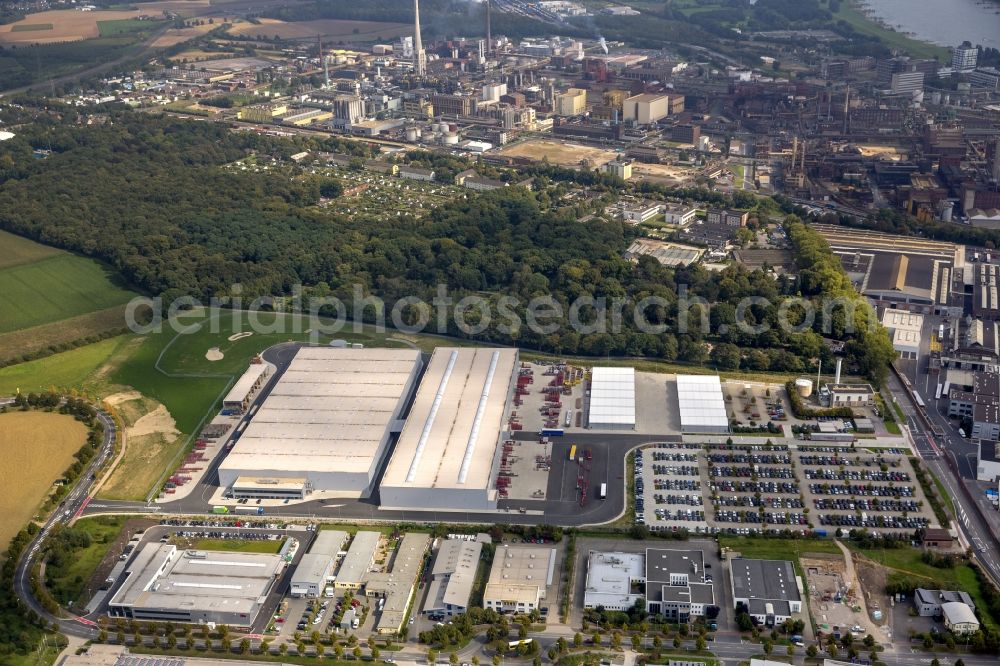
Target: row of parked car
663, 456
864, 491
875, 504
769, 517
751, 459
846, 461
758, 501
690, 500
877, 521
747, 472
857, 475
770, 487
676, 484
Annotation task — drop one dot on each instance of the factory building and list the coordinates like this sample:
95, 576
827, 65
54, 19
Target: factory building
701, 404
394, 586
646, 108
238, 400
612, 399
611, 578
452, 577
768, 589
325, 426
448, 454
166, 585
904, 328
675, 584
315, 569
519, 578
573, 102
357, 561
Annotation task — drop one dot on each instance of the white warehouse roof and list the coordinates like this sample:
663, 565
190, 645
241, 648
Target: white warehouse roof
702, 406
612, 397
328, 418
451, 436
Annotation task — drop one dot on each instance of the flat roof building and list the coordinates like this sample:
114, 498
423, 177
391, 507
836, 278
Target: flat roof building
768, 589
904, 328
246, 387
452, 577
612, 399
448, 454
395, 585
326, 423
612, 579
357, 562
701, 403
164, 584
310, 575
329, 542
519, 578
675, 584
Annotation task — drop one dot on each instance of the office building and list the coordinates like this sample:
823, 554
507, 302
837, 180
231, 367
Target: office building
768, 589
519, 578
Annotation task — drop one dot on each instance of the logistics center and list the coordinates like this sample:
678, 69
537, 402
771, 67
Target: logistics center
448, 454
325, 426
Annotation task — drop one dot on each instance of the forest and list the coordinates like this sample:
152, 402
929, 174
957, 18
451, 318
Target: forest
148, 196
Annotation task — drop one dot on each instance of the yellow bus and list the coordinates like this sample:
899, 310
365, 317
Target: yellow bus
572, 452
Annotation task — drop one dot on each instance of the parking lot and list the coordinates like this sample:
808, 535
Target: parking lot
748, 488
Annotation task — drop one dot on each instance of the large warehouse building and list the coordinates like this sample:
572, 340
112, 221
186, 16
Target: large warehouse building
325, 426
612, 399
167, 585
702, 406
448, 454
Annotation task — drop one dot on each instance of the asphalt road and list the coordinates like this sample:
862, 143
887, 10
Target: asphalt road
73, 506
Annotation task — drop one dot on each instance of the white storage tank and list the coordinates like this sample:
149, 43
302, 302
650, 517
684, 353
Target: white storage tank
411, 134
804, 387
450, 139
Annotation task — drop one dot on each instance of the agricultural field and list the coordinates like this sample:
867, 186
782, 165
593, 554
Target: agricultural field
561, 153
37, 447
50, 298
331, 29
69, 369
64, 25
174, 36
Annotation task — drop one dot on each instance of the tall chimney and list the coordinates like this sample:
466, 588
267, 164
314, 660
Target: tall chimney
419, 56
847, 109
996, 159
489, 34
836, 377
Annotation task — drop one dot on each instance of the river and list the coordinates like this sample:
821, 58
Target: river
943, 22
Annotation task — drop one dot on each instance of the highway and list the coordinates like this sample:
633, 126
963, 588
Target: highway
73, 506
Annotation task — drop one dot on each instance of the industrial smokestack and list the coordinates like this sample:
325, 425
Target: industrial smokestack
996, 160
419, 56
836, 377
489, 34
604, 45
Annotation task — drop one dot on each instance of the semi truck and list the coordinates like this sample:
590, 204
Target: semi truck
249, 510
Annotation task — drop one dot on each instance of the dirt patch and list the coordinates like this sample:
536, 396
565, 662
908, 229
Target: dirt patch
68, 25
213, 354
240, 336
116, 399
873, 578
560, 152
157, 421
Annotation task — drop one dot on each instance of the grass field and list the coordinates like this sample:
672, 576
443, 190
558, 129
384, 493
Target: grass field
67, 370
67, 585
118, 27
18, 250
145, 459
30, 27
906, 563
238, 546
17, 345
778, 549
36, 448
54, 289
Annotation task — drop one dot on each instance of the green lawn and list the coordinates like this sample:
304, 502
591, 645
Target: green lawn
122, 27
30, 27
56, 288
67, 585
18, 250
237, 546
65, 370
778, 549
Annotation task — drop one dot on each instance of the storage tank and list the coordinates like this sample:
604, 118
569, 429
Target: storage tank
804, 387
453, 128
946, 210
450, 139
411, 134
